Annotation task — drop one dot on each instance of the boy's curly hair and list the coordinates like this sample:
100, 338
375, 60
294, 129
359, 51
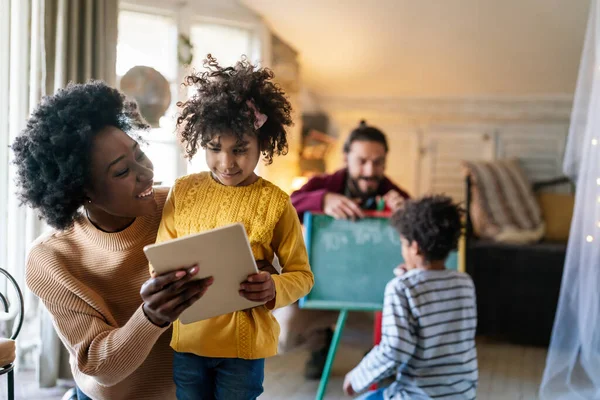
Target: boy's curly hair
52, 154
219, 106
433, 222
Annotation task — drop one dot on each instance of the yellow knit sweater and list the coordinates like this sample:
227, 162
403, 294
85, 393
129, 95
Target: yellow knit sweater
198, 203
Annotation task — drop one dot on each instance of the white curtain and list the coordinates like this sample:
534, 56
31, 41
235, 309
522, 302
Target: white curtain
573, 364
21, 71
80, 43
80, 40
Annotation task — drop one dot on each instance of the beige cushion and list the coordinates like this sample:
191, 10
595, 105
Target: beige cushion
557, 210
7, 352
503, 206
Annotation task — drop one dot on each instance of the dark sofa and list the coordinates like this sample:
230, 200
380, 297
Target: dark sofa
517, 286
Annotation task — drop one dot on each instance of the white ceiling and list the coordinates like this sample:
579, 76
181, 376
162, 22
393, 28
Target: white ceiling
432, 47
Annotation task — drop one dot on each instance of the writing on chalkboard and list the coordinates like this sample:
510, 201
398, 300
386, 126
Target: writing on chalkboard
360, 234
333, 241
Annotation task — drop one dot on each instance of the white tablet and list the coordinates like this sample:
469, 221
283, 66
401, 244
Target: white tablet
223, 253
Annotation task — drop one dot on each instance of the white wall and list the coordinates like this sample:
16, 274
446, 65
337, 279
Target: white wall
433, 48
429, 137
446, 80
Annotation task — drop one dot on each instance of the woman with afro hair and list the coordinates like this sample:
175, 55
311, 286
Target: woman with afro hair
81, 167
237, 114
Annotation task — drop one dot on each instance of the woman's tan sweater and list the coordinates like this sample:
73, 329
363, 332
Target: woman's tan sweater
90, 283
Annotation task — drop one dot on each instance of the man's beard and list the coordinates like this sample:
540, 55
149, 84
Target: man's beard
356, 190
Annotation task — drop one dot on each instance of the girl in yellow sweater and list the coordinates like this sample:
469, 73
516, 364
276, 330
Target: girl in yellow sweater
236, 114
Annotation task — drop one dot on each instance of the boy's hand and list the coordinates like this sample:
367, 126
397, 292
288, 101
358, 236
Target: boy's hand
400, 270
348, 390
393, 200
258, 287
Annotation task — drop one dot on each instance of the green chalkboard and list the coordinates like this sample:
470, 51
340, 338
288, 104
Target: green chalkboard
352, 261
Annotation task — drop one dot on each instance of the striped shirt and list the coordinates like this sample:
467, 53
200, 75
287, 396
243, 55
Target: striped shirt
428, 339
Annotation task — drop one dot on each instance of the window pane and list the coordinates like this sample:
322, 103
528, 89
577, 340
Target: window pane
198, 163
226, 43
151, 40
165, 157
147, 39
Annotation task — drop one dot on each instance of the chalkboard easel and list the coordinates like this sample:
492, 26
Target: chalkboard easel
352, 262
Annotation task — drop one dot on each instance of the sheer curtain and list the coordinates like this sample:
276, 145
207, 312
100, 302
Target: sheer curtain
21, 71
573, 364
44, 44
79, 43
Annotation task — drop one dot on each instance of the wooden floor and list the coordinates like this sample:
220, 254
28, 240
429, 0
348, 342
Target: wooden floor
506, 372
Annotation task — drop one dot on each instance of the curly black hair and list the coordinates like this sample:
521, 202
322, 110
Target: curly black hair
433, 222
52, 153
219, 105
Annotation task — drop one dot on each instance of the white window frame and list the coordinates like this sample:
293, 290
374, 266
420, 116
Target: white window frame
256, 34
168, 10
4, 139
211, 11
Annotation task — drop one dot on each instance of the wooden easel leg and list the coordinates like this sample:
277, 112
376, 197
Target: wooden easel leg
337, 335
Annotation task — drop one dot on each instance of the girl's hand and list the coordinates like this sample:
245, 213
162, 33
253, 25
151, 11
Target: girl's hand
167, 296
264, 265
258, 287
348, 390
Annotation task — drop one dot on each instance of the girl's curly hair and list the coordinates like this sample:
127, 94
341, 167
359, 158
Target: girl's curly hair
52, 154
219, 106
433, 222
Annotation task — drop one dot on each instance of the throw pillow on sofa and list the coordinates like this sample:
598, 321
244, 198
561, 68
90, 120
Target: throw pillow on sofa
503, 207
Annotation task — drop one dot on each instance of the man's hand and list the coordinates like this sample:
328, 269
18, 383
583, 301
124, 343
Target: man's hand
348, 390
258, 287
341, 207
393, 200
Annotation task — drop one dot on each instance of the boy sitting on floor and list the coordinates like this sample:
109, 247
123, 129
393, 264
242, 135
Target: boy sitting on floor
429, 314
